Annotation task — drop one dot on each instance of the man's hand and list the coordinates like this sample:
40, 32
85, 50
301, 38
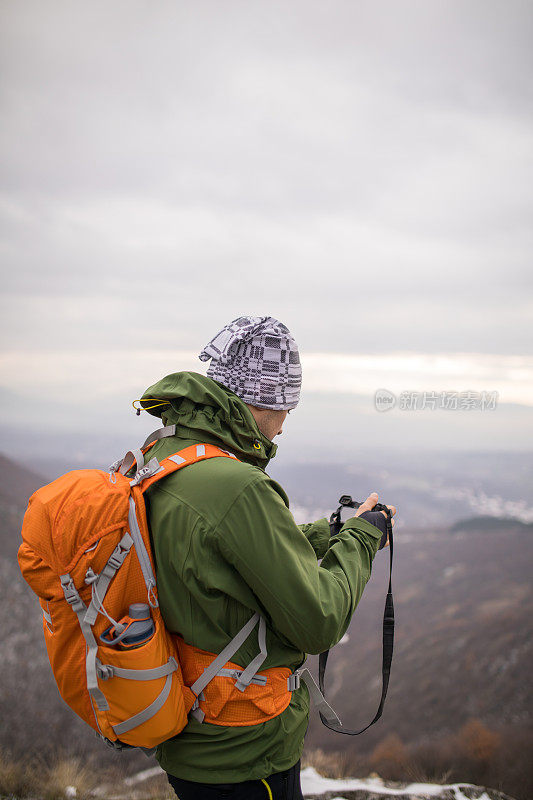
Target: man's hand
368, 505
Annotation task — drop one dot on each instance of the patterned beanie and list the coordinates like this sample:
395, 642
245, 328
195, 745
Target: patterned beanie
258, 360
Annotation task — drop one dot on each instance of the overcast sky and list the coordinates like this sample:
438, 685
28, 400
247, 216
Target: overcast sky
360, 170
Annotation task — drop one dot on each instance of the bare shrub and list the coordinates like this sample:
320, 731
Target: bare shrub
390, 758
433, 761
477, 742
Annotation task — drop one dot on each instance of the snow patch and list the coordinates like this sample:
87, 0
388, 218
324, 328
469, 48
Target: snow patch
313, 783
139, 777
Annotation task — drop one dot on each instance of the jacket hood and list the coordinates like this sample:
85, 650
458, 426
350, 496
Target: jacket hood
206, 411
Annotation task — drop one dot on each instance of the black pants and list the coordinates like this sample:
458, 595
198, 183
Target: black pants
283, 786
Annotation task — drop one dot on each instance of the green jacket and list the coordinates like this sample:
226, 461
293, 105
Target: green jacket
226, 546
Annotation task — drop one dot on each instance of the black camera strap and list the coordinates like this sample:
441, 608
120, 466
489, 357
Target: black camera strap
388, 620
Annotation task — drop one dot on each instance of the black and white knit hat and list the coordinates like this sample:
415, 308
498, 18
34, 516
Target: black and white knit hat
258, 360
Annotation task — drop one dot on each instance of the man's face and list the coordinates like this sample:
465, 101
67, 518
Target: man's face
269, 422
277, 424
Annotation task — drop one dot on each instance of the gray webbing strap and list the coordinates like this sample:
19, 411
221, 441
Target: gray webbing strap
148, 712
209, 672
259, 680
255, 664
142, 554
101, 586
316, 696
106, 671
131, 457
78, 606
160, 433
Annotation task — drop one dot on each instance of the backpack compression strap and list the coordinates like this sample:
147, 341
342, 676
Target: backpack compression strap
388, 623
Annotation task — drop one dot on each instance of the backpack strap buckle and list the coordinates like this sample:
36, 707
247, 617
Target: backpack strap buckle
196, 711
71, 593
293, 682
118, 555
150, 469
104, 671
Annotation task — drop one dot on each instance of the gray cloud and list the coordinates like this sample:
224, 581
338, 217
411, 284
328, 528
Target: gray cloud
361, 170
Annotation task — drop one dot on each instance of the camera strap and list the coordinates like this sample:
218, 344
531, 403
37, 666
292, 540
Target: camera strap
388, 621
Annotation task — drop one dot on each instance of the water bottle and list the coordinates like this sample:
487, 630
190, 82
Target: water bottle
133, 630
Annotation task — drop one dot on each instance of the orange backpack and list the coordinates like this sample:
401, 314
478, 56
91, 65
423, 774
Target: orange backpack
86, 554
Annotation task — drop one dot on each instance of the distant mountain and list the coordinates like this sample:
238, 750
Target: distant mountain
485, 523
429, 489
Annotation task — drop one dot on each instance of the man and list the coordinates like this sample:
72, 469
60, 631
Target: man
226, 547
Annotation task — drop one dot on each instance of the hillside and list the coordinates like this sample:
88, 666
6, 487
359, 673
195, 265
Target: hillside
463, 638
17, 483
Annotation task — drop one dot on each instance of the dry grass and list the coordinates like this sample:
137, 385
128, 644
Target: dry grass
331, 765
155, 788
36, 779
69, 772
14, 777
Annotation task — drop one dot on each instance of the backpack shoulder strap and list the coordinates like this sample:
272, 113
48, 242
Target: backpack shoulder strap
183, 458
